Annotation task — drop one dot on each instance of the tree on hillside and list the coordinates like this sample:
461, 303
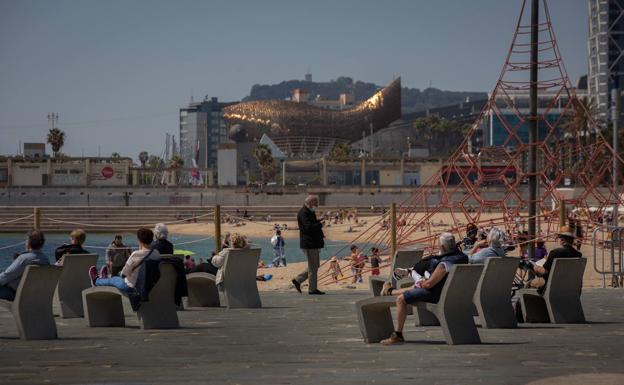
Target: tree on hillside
341, 151
56, 139
266, 162
143, 158
443, 136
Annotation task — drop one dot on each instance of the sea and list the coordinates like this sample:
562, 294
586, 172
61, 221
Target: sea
13, 243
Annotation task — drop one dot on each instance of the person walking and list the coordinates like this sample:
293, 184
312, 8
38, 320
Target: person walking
278, 249
310, 241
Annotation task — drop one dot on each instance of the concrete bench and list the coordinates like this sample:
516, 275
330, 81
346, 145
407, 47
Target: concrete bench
454, 310
202, 290
492, 297
74, 279
561, 302
402, 259
240, 289
104, 307
32, 307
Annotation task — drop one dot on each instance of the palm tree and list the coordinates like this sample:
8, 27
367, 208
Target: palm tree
143, 157
265, 159
176, 161
115, 155
56, 139
340, 151
155, 162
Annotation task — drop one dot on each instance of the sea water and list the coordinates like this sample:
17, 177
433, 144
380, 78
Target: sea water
12, 243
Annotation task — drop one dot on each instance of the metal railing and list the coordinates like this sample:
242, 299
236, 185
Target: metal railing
608, 244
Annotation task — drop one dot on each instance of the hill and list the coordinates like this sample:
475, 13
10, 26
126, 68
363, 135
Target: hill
412, 99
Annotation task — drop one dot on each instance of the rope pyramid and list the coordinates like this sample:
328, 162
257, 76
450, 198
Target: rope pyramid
485, 180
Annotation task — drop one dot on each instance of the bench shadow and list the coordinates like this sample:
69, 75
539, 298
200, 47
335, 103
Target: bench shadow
425, 342
601, 323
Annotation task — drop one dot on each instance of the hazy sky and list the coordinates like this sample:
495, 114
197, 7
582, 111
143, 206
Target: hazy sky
118, 71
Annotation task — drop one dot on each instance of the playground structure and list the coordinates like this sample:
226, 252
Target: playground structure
574, 162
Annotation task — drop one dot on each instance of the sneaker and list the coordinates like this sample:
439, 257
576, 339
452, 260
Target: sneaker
104, 271
297, 285
316, 292
400, 273
93, 275
385, 290
394, 339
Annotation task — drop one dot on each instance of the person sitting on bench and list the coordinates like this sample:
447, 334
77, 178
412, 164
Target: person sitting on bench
566, 237
10, 278
437, 268
130, 272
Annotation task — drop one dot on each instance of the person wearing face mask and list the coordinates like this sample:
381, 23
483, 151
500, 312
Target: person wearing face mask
310, 241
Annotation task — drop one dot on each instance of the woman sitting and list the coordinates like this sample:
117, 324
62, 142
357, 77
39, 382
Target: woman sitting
130, 272
236, 241
494, 240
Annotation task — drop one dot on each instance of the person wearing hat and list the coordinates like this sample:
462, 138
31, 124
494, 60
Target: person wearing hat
334, 269
566, 237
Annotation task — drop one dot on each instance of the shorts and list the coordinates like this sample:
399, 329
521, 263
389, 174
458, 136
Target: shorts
418, 294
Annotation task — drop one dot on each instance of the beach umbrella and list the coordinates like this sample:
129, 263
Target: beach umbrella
183, 252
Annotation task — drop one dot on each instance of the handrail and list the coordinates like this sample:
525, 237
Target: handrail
613, 243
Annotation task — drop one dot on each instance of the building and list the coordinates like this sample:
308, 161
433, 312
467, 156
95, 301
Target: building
202, 129
494, 132
34, 150
606, 51
400, 138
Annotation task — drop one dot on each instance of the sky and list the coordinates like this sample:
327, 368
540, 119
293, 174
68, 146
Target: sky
117, 71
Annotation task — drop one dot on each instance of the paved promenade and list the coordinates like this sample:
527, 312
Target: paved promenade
299, 339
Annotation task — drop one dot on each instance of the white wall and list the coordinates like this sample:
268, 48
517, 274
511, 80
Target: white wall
226, 160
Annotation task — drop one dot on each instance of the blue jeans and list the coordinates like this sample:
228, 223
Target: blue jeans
419, 294
280, 258
115, 281
7, 293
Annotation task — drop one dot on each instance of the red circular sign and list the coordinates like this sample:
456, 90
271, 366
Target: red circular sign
108, 172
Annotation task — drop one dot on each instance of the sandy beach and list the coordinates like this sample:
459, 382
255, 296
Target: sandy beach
338, 232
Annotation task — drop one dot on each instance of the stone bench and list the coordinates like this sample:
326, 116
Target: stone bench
104, 307
561, 302
492, 297
402, 259
240, 289
202, 290
32, 307
453, 310
74, 279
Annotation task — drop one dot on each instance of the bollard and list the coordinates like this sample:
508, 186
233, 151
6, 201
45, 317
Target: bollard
217, 224
37, 218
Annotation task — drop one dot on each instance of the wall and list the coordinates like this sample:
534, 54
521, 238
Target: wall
390, 177
29, 174
68, 174
108, 174
226, 161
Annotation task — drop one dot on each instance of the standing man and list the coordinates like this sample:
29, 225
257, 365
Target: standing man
117, 255
310, 241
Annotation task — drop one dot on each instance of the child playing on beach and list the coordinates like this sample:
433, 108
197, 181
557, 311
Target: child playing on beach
334, 269
375, 260
357, 264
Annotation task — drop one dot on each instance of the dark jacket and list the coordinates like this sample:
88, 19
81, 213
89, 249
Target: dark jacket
163, 246
68, 249
453, 257
310, 230
149, 274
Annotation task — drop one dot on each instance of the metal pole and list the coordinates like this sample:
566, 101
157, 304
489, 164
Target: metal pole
217, 226
37, 218
393, 226
533, 128
615, 117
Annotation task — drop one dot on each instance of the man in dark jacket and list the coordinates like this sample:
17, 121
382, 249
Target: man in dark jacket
77, 238
310, 241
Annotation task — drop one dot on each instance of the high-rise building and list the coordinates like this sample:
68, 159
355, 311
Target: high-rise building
606, 51
202, 129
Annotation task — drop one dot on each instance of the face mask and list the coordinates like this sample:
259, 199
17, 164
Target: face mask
313, 209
